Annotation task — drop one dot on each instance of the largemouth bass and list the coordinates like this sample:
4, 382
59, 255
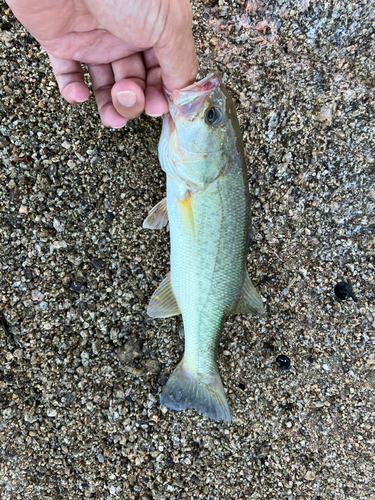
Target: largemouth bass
208, 208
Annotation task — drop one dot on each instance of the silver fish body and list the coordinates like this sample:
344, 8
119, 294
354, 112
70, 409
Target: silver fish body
208, 208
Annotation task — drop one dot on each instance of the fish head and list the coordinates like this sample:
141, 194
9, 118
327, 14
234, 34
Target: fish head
201, 134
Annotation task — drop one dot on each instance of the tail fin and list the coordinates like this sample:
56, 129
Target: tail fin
187, 389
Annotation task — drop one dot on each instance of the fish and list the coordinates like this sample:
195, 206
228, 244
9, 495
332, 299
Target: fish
208, 210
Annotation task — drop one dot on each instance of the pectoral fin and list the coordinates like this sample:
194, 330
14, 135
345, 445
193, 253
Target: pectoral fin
248, 301
158, 216
163, 303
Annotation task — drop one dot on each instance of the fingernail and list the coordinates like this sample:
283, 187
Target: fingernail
127, 98
119, 126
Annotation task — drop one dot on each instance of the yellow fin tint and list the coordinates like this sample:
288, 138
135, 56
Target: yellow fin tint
185, 206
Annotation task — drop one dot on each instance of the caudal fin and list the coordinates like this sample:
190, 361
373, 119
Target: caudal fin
186, 389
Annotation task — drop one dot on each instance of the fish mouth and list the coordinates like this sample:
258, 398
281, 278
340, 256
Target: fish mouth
188, 101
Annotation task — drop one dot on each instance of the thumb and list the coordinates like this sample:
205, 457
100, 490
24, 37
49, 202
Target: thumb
175, 49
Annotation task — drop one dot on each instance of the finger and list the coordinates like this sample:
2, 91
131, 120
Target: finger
128, 92
156, 103
102, 79
175, 49
70, 79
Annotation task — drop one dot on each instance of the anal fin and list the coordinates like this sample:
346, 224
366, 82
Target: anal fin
163, 303
249, 301
158, 216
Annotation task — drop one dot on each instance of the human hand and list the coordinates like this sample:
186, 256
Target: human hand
131, 48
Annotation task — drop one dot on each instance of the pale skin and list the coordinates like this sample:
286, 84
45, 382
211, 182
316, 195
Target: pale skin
131, 48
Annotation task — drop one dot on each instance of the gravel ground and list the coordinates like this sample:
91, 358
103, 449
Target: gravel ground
82, 366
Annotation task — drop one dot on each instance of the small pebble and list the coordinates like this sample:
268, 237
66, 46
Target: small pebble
78, 287
268, 345
4, 323
57, 225
36, 295
99, 264
59, 244
310, 475
28, 273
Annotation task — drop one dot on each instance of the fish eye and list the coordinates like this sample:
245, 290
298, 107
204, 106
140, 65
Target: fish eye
214, 116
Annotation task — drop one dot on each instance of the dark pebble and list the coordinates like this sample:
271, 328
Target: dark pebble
266, 279
267, 345
163, 380
283, 362
99, 264
242, 386
78, 287
6, 26
109, 217
344, 290
4, 324
68, 397
28, 273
